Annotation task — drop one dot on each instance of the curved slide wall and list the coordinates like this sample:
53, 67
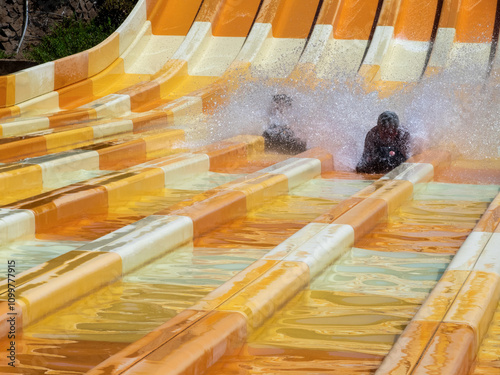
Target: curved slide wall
139, 252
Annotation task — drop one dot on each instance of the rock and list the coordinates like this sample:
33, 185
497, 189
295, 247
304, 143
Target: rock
73, 4
10, 33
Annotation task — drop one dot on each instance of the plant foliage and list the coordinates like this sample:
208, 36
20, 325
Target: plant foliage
5, 55
72, 35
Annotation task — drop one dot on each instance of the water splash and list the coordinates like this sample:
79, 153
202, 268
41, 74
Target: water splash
336, 115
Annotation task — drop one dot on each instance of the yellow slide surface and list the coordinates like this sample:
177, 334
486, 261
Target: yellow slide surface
145, 228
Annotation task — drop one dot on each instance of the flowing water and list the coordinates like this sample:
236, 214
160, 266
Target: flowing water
336, 115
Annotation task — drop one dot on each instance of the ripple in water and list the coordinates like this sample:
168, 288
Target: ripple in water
335, 115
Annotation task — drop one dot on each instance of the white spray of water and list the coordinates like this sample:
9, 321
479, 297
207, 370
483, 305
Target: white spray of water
438, 112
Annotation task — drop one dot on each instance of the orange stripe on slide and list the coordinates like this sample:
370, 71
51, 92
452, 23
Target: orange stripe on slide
173, 18
51, 208
449, 13
210, 9
356, 19
143, 94
268, 11
475, 21
71, 69
415, 20
9, 112
452, 350
76, 94
329, 12
114, 79
215, 211
102, 55
235, 18
5, 112
224, 154
364, 216
389, 12
294, 18
7, 90
151, 121
111, 158
22, 148
191, 350
141, 348
70, 117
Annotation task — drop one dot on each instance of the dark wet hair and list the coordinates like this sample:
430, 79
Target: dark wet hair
388, 119
282, 99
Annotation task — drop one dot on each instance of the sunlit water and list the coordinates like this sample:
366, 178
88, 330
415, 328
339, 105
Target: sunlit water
31, 253
354, 311
358, 305
487, 356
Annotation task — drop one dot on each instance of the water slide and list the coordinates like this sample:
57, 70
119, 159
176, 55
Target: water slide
142, 243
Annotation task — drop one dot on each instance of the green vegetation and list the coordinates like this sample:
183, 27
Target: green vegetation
69, 37
5, 55
113, 12
72, 35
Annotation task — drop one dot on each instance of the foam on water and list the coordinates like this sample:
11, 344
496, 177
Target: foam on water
463, 118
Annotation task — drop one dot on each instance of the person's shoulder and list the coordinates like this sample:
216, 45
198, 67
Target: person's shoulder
372, 132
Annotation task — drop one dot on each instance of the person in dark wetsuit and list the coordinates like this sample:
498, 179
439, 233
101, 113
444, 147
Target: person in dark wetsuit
279, 136
386, 146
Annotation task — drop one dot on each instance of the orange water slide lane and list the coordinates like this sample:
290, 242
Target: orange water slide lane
350, 22
294, 19
228, 20
414, 24
475, 21
231, 19
99, 71
172, 17
355, 20
173, 80
415, 20
405, 57
387, 18
265, 185
94, 197
469, 24
208, 344
22, 180
76, 136
444, 335
291, 19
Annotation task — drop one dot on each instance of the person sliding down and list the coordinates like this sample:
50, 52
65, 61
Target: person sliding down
279, 136
386, 145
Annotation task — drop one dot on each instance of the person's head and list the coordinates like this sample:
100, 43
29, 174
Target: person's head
388, 124
280, 103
